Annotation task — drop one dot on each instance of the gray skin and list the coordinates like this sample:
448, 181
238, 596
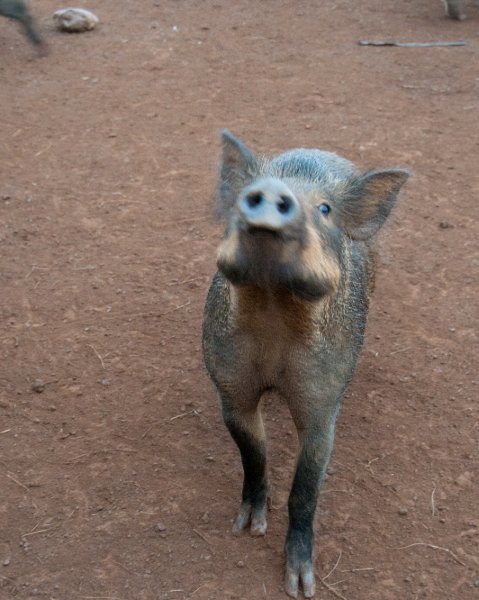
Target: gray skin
286, 313
16, 9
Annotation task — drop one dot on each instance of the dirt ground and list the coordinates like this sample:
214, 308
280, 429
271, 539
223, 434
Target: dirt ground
118, 480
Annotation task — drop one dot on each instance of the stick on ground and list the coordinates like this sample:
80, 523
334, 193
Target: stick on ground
411, 44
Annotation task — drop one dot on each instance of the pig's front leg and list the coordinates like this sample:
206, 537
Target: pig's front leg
245, 424
316, 435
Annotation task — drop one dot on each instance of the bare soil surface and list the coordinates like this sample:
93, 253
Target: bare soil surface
118, 479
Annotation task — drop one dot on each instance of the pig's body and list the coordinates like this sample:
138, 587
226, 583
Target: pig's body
286, 312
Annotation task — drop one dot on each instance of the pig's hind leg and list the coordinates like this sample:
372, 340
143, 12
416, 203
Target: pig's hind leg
245, 423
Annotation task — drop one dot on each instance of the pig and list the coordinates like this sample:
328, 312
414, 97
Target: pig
286, 313
16, 9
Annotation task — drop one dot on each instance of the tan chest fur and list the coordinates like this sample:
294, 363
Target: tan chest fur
275, 328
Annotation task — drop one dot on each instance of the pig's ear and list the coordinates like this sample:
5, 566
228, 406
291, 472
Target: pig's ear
370, 200
238, 168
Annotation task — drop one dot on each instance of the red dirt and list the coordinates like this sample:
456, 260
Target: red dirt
119, 480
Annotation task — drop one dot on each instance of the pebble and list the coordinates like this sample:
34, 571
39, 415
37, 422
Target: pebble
75, 20
37, 385
6, 562
402, 511
240, 564
464, 480
160, 526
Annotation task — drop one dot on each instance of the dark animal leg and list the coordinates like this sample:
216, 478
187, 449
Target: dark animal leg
247, 430
316, 446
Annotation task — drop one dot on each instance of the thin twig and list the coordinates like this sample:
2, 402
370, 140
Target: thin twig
17, 482
36, 526
400, 350
123, 567
199, 588
149, 429
167, 312
368, 465
332, 590
184, 414
72, 460
98, 355
38, 531
203, 537
434, 548
411, 44
433, 506
36, 268
335, 566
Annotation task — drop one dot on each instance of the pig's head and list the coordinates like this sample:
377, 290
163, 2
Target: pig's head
289, 219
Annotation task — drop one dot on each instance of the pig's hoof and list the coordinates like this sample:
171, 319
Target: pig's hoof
302, 574
254, 518
242, 520
258, 523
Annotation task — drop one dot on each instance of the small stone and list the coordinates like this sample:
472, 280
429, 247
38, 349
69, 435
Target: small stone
240, 564
160, 526
476, 583
205, 518
445, 225
75, 20
464, 480
402, 511
37, 385
6, 562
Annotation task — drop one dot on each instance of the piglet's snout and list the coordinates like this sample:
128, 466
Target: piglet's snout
269, 204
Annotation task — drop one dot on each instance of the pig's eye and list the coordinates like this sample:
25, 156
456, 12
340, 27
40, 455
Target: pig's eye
324, 208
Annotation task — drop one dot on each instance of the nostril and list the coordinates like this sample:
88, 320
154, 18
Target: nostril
254, 199
284, 204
